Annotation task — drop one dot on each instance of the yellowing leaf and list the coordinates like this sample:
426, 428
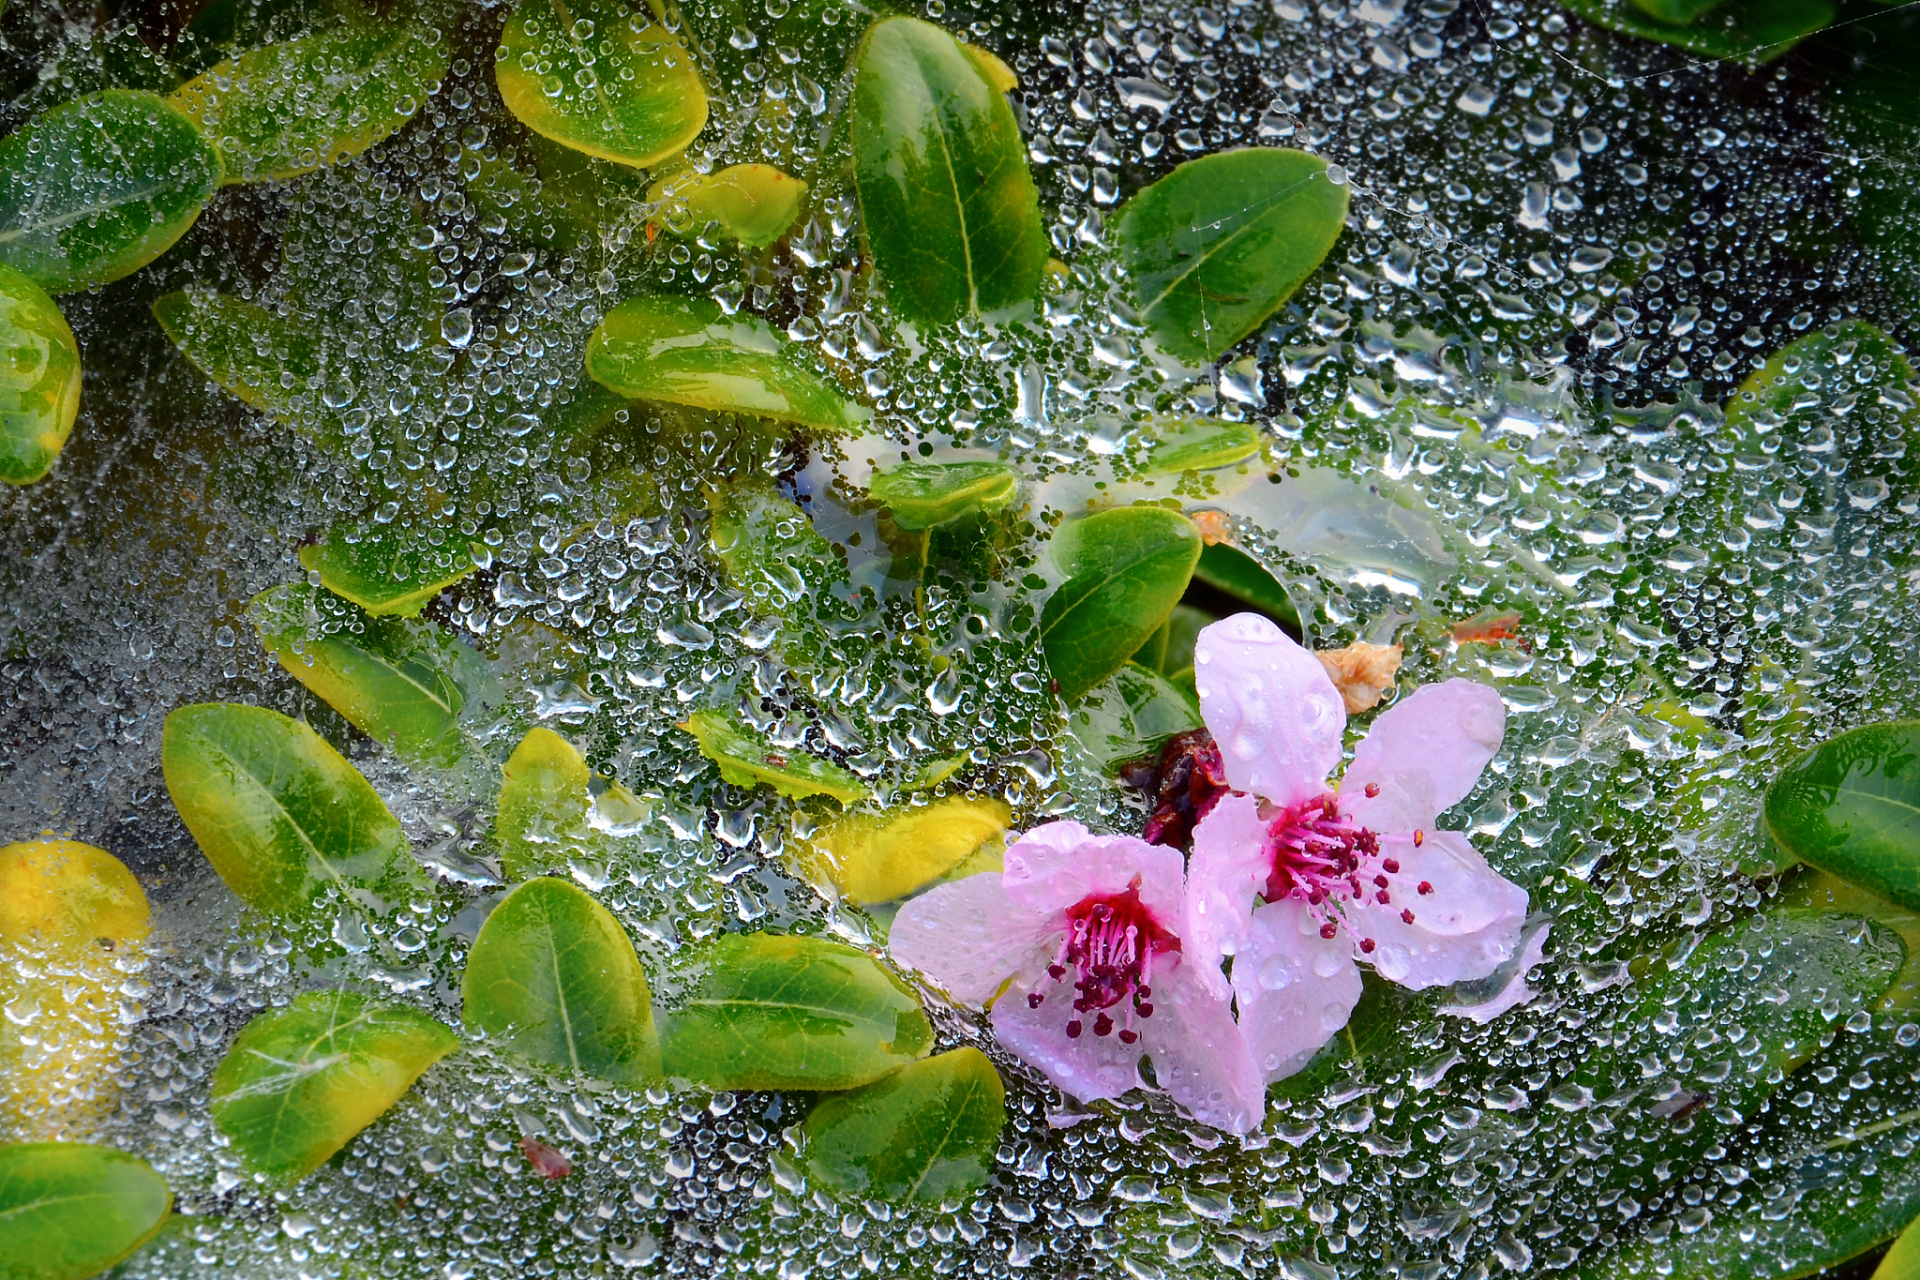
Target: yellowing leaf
873, 858
752, 203
543, 803
747, 760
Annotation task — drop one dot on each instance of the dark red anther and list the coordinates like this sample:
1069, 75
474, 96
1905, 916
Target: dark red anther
1419, 838
1407, 915
1390, 865
1034, 999
1367, 945
1382, 897
1074, 1029
1425, 888
1129, 1035
1328, 929
1103, 1025
1380, 882
1373, 789
1144, 1010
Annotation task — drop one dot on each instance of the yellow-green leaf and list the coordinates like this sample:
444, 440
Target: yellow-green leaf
747, 760
751, 203
39, 379
544, 800
69, 1210
874, 858
387, 571
924, 1134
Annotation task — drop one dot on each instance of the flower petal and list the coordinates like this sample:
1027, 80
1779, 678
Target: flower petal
1271, 707
1058, 864
1230, 865
1424, 753
1087, 1067
1295, 988
968, 938
1198, 1054
1464, 929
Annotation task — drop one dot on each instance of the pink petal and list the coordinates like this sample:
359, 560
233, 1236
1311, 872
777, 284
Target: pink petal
1463, 930
1198, 1054
1054, 866
1271, 707
969, 937
1516, 992
1230, 865
1295, 988
1424, 753
1087, 1067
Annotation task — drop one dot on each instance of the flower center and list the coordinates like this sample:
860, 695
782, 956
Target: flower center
1326, 859
1110, 946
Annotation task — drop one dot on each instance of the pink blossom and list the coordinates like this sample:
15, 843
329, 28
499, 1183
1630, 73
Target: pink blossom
1298, 882
1080, 948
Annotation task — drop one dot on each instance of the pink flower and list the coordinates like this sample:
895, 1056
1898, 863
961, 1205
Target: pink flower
1338, 878
1080, 949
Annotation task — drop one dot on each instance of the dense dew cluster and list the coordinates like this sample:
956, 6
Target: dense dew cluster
1505, 396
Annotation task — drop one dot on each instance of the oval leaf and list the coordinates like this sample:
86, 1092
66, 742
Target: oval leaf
300, 1082
1851, 806
1130, 716
874, 858
280, 815
387, 571
751, 203
245, 349
401, 682
39, 379
1218, 244
1129, 567
774, 1012
1232, 571
65, 896
554, 977
747, 760
1199, 444
69, 1210
291, 108
924, 1134
923, 494
593, 78
687, 351
950, 210
99, 187
543, 804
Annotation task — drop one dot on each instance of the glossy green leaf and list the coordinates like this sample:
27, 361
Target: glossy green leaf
1740, 30
687, 351
543, 804
554, 978
1238, 575
39, 379
1811, 890
751, 203
297, 106
768, 1011
748, 760
770, 549
1679, 12
387, 571
873, 858
1851, 806
280, 815
923, 494
400, 681
69, 1210
1199, 444
950, 210
1902, 1261
1218, 244
1127, 568
299, 1083
1131, 715
924, 1134
600, 78
245, 348
99, 187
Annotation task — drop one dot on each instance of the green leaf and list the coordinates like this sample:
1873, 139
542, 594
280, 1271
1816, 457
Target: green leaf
245, 349
751, 203
402, 682
291, 108
1743, 30
874, 858
1232, 571
769, 548
554, 977
768, 1011
388, 570
277, 811
39, 379
1131, 715
1218, 244
600, 78
686, 351
69, 1210
543, 804
99, 187
923, 494
1812, 890
950, 210
747, 760
300, 1082
1902, 1261
1128, 567
1678, 12
1199, 444
1851, 806
924, 1134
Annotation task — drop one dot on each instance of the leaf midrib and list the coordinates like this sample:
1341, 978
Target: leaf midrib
1255, 214
1107, 581
969, 1089
313, 849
